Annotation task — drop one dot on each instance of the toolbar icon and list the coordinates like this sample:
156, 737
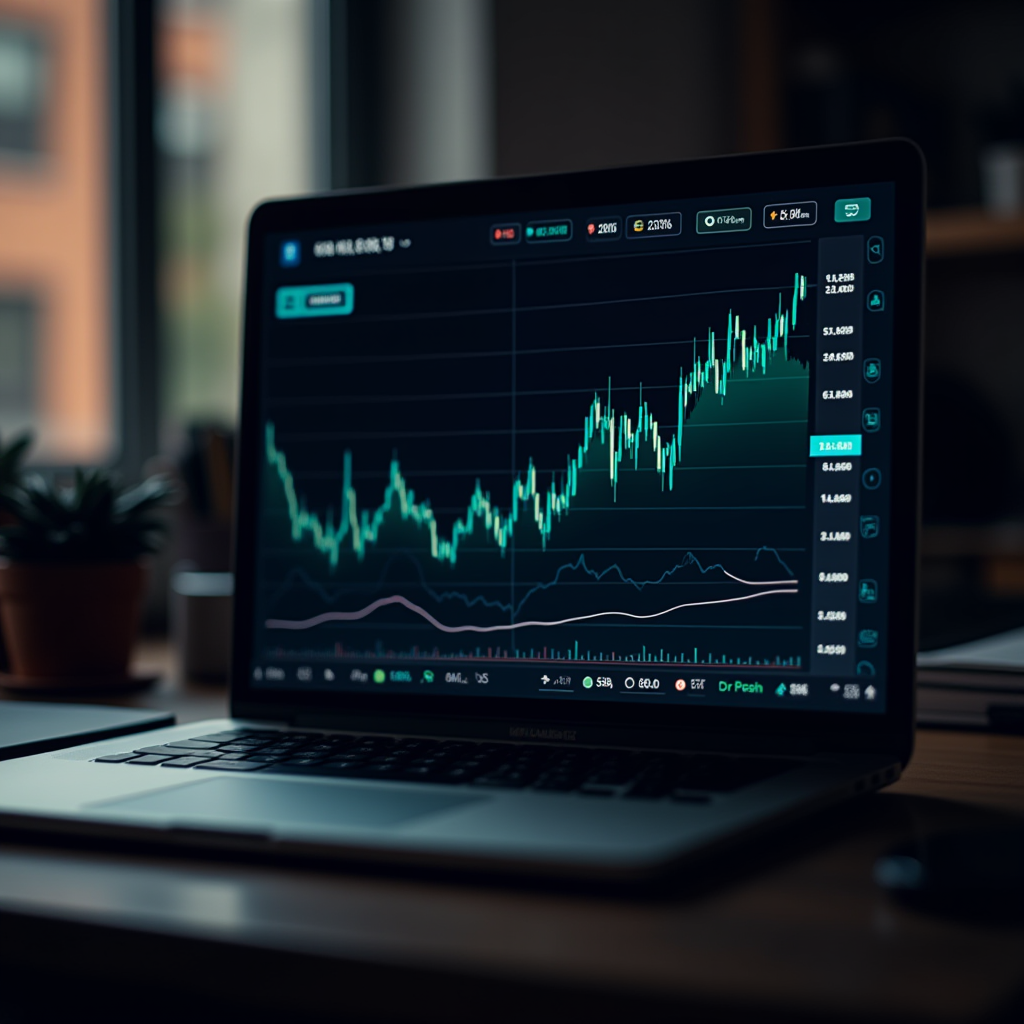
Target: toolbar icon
870, 527
876, 249
867, 638
876, 301
872, 370
871, 478
871, 420
867, 592
291, 254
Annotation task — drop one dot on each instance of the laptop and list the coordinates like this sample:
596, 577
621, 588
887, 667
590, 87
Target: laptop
576, 525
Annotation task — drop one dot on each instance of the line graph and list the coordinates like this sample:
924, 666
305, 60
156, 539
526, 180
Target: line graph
642, 478
330, 594
398, 599
621, 435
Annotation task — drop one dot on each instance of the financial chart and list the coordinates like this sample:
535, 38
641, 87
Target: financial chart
549, 470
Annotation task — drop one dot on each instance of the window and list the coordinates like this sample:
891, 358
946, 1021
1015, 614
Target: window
23, 85
56, 356
234, 124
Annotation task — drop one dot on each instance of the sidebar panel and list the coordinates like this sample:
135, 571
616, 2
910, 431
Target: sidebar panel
836, 455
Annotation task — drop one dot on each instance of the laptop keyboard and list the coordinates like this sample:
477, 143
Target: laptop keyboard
643, 775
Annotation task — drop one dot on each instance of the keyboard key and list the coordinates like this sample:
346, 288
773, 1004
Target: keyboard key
557, 783
506, 780
149, 759
457, 776
192, 744
327, 771
685, 797
116, 758
184, 762
650, 789
230, 766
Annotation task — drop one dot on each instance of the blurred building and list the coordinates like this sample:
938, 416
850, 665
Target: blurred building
56, 364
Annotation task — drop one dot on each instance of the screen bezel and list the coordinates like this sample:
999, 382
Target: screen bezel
896, 161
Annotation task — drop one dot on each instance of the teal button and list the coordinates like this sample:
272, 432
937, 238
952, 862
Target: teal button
834, 445
853, 209
299, 301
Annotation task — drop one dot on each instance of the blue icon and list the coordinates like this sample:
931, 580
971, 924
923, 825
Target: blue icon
865, 668
869, 527
867, 592
291, 254
871, 479
872, 370
871, 419
876, 301
876, 249
867, 638
296, 301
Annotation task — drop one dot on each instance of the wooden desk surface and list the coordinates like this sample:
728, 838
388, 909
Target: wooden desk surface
792, 928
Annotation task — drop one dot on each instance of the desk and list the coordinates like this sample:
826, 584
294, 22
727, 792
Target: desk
792, 929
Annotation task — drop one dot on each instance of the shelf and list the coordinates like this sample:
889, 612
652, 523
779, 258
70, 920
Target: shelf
997, 540
970, 231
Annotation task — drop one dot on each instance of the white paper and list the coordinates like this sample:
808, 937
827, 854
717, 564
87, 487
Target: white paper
1003, 651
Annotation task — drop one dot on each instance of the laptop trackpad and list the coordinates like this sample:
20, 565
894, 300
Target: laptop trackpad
267, 803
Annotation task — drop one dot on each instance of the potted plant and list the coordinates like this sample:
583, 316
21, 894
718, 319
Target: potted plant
71, 576
11, 457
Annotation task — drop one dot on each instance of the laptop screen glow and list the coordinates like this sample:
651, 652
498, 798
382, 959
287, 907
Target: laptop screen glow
632, 453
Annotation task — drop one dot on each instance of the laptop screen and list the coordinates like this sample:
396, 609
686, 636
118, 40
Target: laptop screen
625, 453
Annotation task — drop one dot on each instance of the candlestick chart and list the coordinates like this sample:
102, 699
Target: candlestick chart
563, 470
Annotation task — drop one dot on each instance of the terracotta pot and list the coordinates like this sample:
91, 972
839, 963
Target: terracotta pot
70, 621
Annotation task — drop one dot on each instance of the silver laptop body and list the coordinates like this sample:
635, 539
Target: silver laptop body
576, 525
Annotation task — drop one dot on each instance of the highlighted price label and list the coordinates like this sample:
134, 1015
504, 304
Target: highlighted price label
823, 445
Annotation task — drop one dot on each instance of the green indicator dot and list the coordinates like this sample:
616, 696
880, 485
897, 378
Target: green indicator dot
587, 682
529, 232
378, 675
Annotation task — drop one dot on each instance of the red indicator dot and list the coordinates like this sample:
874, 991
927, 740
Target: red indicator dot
591, 228
680, 684
497, 234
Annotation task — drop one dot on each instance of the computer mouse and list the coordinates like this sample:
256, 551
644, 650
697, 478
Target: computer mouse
974, 874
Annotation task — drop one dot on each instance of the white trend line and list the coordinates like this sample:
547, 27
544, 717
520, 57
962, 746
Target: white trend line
755, 583
383, 602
